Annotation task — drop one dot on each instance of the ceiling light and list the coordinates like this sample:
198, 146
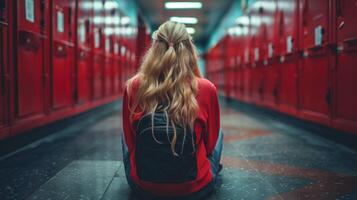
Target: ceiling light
111, 5
97, 20
183, 5
108, 31
112, 20
125, 20
243, 20
185, 20
97, 5
190, 30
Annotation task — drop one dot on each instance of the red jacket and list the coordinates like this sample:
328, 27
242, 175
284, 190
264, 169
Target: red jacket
207, 126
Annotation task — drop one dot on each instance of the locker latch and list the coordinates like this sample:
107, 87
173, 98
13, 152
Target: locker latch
70, 22
328, 97
2, 10
275, 91
260, 90
42, 8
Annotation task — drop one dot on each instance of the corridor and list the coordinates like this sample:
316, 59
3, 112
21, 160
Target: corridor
262, 158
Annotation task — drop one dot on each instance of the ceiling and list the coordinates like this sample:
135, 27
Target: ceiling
208, 17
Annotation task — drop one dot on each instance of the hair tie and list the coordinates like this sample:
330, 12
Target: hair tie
171, 44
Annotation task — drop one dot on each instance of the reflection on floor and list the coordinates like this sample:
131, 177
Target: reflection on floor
262, 158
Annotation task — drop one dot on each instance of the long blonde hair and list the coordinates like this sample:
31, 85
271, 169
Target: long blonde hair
167, 77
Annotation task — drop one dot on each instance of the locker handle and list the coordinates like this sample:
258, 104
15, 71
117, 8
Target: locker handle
275, 91
304, 11
29, 41
87, 25
70, 22
2, 64
351, 41
328, 97
2, 9
42, 8
4, 84
60, 50
339, 10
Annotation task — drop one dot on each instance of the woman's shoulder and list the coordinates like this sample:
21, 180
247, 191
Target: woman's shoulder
132, 84
205, 85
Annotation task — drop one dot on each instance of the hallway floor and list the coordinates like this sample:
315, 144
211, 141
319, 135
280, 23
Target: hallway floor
262, 158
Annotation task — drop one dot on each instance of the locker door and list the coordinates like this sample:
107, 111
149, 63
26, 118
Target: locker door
29, 77
314, 81
83, 75
116, 68
83, 50
62, 53
98, 62
108, 72
227, 71
98, 49
269, 54
288, 47
4, 27
346, 98
256, 72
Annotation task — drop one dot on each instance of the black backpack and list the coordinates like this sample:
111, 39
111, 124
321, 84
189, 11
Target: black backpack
155, 160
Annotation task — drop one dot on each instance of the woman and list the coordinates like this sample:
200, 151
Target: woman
172, 141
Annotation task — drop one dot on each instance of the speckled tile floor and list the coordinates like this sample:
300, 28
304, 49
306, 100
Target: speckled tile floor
263, 159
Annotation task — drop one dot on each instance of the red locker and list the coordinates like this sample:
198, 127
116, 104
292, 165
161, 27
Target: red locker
269, 39
98, 63
4, 69
98, 50
271, 83
239, 67
110, 22
345, 74
288, 45
83, 51
242, 58
229, 65
31, 76
247, 92
62, 65
116, 67
256, 71
257, 32
121, 66
315, 91
109, 65
123, 69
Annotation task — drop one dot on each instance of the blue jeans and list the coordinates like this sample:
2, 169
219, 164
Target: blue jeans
214, 159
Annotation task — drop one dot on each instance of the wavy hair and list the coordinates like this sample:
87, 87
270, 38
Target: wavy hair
167, 77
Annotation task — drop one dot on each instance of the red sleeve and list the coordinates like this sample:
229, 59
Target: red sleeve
213, 122
127, 128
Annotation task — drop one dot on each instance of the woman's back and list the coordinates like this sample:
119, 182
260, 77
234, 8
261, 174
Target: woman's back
205, 132
170, 119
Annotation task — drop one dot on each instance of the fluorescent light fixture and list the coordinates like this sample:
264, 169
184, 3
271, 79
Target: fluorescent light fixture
184, 20
115, 20
243, 20
97, 5
109, 5
190, 30
125, 20
108, 31
183, 5
98, 20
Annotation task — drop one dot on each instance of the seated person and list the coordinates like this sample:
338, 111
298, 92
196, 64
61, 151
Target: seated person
172, 141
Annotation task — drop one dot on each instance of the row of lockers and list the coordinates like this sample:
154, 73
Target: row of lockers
62, 57
294, 56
